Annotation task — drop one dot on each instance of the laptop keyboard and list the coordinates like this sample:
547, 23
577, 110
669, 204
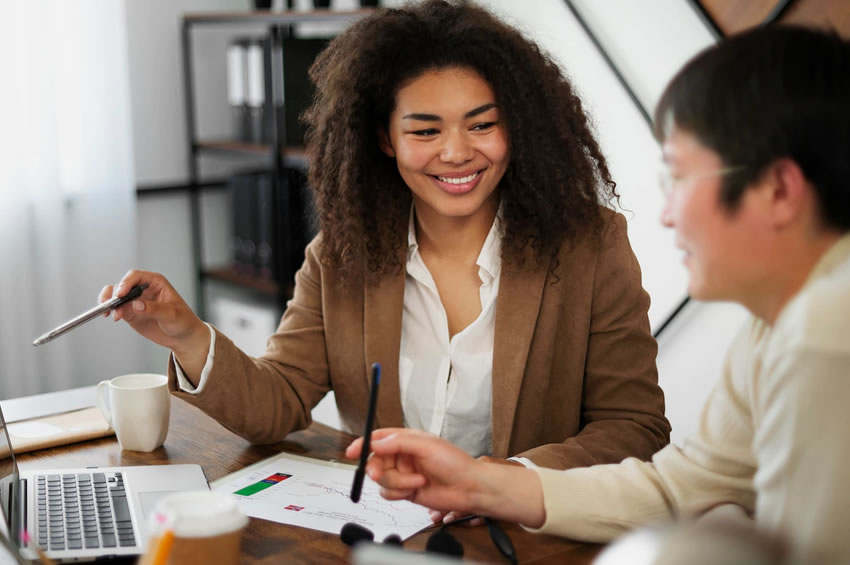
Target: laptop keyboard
77, 511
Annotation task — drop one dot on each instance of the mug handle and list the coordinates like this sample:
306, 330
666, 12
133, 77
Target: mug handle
102, 393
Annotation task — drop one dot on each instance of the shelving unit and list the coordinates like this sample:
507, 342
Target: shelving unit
292, 156
281, 157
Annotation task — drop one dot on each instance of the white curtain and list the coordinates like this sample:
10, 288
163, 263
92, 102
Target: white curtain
67, 200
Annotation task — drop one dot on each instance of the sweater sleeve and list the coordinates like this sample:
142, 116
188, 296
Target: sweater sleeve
715, 467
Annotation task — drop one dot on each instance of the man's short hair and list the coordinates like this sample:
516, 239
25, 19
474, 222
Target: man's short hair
771, 93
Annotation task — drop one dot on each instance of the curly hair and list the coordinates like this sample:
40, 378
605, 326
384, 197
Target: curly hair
557, 179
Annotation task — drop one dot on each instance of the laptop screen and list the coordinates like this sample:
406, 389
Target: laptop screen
8, 478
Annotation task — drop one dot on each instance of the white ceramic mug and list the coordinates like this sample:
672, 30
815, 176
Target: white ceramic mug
137, 407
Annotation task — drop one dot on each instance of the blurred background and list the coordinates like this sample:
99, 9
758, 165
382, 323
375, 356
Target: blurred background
163, 135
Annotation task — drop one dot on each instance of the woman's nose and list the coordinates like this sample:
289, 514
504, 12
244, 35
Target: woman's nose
456, 148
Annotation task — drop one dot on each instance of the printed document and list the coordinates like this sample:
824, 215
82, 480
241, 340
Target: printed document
315, 494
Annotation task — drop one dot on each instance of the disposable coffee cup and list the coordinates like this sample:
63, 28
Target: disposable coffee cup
203, 527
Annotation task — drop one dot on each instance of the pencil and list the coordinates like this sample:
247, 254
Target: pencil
163, 548
42, 557
45, 560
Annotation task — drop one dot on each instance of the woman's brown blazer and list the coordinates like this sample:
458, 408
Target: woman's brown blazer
574, 377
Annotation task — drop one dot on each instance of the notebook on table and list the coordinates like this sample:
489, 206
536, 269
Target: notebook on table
54, 418
78, 514
58, 429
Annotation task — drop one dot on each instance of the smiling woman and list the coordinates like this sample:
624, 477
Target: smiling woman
466, 246
555, 179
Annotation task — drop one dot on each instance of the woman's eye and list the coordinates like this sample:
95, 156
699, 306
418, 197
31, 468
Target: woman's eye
483, 126
425, 132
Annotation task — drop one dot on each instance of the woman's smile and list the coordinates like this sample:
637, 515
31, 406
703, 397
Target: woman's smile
458, 183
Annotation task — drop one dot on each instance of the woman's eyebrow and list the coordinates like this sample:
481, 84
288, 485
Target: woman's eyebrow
435, 118
480, 110
422, 117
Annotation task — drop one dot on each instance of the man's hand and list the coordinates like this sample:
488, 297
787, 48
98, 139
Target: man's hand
453, 516
425, 469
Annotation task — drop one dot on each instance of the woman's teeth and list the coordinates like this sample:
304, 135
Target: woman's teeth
458, 180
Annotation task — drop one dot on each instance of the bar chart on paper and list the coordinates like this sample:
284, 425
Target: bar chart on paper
315, 494
262, 485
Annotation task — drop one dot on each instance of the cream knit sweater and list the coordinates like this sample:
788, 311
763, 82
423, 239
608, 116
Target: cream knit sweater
773, 438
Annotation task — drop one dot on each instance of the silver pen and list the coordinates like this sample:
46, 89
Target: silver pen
102, 308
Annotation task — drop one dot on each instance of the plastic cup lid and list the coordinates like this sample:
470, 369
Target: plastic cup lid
198, 514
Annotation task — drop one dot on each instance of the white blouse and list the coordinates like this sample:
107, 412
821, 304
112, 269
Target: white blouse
446, 384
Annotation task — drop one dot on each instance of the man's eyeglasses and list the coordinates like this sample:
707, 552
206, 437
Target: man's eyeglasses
668, 183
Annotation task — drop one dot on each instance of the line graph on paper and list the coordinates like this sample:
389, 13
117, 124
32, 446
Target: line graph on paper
314, 494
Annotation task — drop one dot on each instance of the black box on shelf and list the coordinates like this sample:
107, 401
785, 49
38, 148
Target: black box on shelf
300, 214
294, 223
272, 223
243, 196
298, 55
264, 259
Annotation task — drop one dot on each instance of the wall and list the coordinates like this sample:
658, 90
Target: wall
156, 80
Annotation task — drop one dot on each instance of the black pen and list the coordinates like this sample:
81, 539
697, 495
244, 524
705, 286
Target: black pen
499, 536
357, 485
102, 308
501, 540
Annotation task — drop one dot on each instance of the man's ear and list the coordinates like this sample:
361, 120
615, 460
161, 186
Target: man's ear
789, 192
385, 144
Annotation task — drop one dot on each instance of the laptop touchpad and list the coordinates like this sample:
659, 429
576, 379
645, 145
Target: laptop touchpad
149, 500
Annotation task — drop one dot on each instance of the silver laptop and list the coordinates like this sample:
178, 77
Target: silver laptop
85, 513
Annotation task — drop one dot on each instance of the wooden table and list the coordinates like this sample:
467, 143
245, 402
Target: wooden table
194, 437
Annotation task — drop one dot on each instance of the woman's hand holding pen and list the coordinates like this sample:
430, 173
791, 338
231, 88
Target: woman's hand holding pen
162, 316
420, 467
